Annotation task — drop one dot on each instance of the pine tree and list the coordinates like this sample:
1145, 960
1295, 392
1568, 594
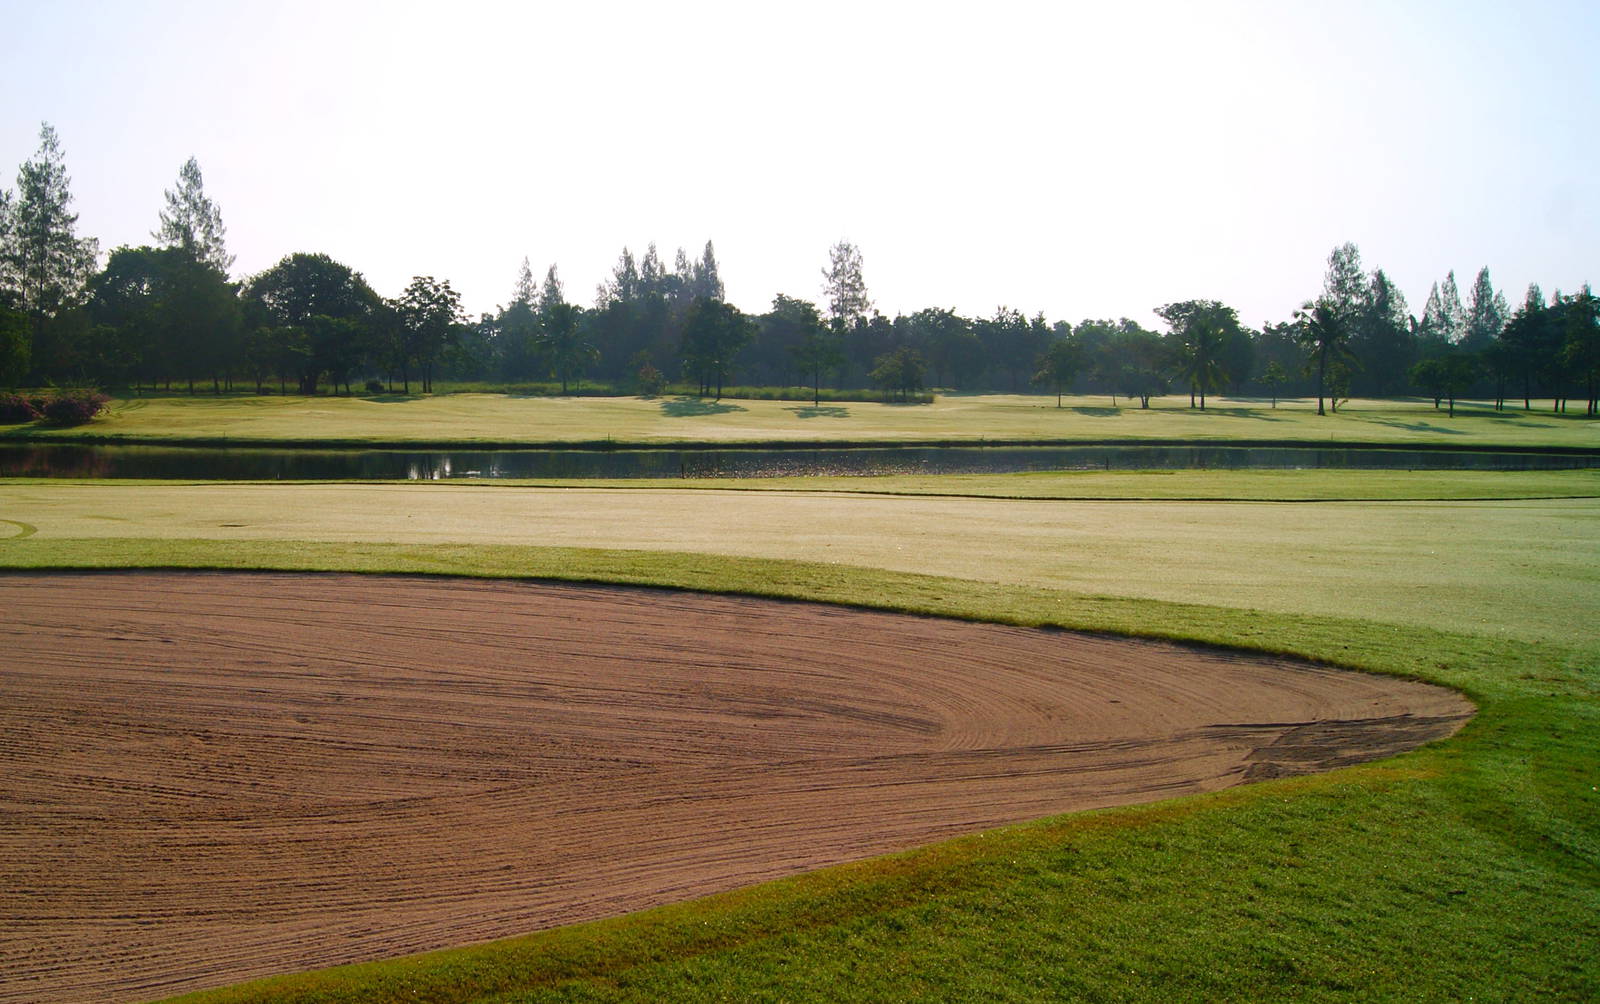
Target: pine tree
707, 280
1486, 314
843, 285
551, 295
623, 286
1345, 285
652, 278
1452, 315
193, 222
526, 291
43, 255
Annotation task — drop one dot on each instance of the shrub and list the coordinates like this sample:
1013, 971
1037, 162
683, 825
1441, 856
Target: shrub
74, 407
375, 387
650, 381
16, 409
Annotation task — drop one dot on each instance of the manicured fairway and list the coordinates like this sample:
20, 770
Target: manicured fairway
1456, 565
487, 418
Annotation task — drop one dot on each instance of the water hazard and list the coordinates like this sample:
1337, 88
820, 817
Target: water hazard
249, 464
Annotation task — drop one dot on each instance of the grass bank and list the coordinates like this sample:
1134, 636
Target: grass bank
478, 420
1470, 869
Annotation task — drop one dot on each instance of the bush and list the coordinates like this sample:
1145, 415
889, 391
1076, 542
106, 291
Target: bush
650, 381
74, 407
375, 387
16, 409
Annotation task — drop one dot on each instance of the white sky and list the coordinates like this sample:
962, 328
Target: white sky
1083, 159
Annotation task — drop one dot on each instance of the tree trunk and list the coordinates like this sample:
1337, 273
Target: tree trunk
1322, 367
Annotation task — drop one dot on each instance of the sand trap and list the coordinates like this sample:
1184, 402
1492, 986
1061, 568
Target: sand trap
207, 777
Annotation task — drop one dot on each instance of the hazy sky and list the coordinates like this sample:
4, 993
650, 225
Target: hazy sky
1085, 160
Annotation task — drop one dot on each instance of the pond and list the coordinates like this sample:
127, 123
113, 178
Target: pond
251, 464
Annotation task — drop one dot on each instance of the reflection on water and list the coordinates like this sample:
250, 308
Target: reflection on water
177, 463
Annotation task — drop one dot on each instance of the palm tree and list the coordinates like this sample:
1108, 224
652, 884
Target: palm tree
1198, 361
1322, 328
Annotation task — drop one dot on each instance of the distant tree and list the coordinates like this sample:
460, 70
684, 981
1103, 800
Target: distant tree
302, 287
1486, 314
550, 293
817, 350
1345, 284
161, 312
1500, 361
623, 286
707, 279
14, 345
43, 257
1580, 348
567, 347
1139, 363
844, 287
899, 374
514, 332
713, 334
1433, 330
1057, 365
1382, 338
1324, 331
1453, 318
193, 222
1201, 330
1275, 377
946, 340
1446, 374
1525, 339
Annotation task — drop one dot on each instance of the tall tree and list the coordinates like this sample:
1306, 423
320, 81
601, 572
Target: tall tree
1529, 337
302, 287
714, 333
817, 349
431, 311
1202, 330
1345, 284
43, 255
1326, 333
1580, 348
844, 287
1486, 316
526, 290
551, 293
515, 331
1453, 317
1382, 338
1057, 365
1434, 328
193, 222
707, 276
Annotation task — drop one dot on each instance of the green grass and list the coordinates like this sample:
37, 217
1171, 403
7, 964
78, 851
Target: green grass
1453, 564
479, 419
1305, 485
1466, 870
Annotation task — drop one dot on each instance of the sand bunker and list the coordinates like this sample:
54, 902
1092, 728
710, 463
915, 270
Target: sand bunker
211, 777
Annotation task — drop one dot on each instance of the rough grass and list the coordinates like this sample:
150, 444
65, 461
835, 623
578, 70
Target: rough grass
1460, 565
1469, 869
478, 419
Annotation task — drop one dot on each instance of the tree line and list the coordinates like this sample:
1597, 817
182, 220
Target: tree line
169, 314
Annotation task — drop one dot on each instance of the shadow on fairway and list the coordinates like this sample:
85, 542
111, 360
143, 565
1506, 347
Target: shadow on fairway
820, 411
688, 407
1423, 426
